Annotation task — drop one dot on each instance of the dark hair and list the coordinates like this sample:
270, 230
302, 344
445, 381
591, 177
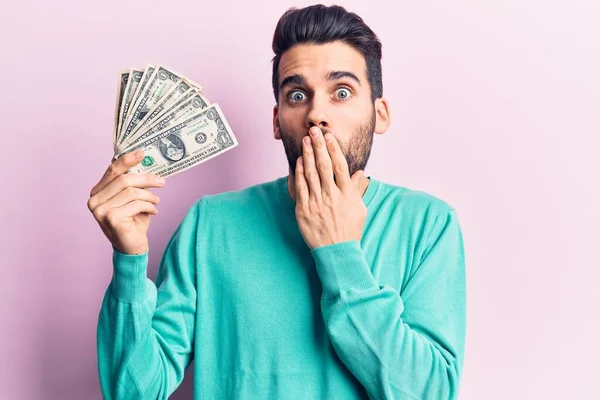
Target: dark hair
320, 24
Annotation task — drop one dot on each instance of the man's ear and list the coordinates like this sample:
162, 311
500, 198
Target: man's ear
276, 133
382, 116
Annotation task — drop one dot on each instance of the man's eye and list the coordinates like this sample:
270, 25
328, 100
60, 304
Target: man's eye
343, 93
296, 96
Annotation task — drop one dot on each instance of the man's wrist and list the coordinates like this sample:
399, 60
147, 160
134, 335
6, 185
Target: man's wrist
129, 276
342, 266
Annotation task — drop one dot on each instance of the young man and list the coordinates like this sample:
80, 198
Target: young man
324, 284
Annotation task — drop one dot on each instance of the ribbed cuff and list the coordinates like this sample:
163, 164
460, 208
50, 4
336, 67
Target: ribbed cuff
342, 266
129, 276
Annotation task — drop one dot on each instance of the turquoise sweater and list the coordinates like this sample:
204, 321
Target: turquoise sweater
264, 317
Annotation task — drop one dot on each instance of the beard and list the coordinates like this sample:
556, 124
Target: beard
356, 151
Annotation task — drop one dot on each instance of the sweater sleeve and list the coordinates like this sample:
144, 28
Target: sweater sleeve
145, 331
407, 345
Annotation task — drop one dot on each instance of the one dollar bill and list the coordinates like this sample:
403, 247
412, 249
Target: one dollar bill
133, 81
184, 110
172, 96
157, 86
123, 79
188, 143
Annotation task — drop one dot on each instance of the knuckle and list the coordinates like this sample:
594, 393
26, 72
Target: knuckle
119, 180
323, 166
130, 191
112, 169
99, 213
111, 218
123, 180
302, 209
339, 167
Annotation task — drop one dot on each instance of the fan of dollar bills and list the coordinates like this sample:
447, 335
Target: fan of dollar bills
167, 116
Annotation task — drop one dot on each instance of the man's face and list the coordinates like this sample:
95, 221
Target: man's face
325, 86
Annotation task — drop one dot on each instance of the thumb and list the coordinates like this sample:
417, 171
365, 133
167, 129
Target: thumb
357, 176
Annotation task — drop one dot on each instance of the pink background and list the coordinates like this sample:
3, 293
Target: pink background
496, 109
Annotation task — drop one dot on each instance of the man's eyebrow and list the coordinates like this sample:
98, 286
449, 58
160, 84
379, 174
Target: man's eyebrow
335, 75
298, 80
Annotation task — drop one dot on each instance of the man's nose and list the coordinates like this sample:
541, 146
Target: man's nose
318, 114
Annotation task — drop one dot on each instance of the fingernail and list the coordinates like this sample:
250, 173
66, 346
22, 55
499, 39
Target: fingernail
307, 141
159, 179
328, 137
315, 132
138, 153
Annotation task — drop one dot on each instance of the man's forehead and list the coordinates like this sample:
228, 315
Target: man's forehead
318, 60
